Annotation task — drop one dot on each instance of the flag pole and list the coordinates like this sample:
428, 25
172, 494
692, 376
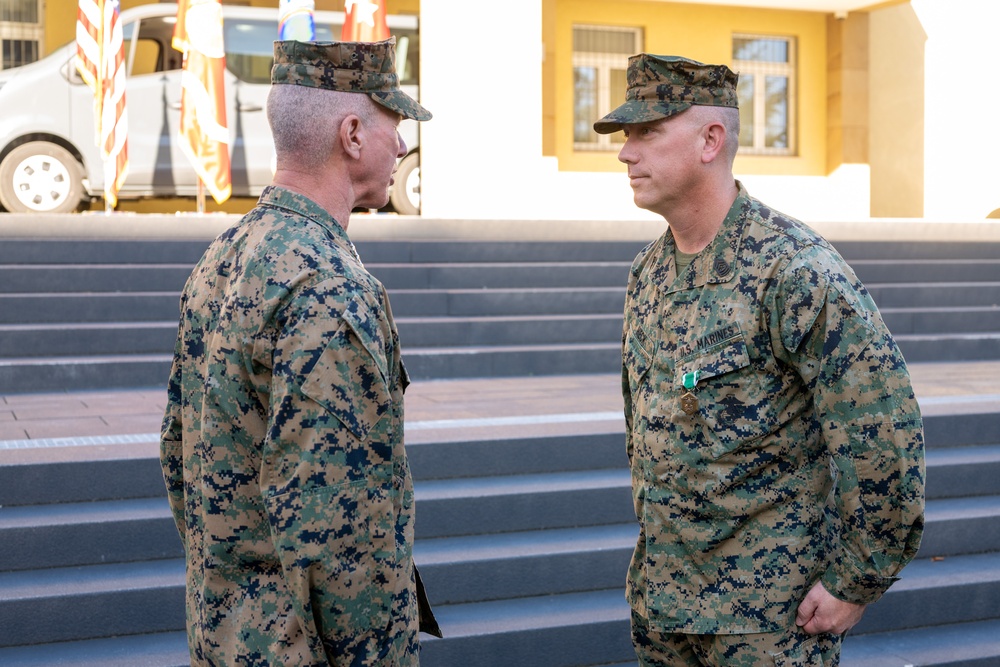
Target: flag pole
204, 133
201, 196
100, 59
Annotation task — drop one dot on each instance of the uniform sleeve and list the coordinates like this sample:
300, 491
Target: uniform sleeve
627, 398
171, 445
327, 478
831, 331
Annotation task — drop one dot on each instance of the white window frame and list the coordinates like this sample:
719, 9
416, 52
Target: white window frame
28, 32
603, 63
760, 70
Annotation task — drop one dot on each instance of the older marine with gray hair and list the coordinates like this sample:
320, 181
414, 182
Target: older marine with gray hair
282, 442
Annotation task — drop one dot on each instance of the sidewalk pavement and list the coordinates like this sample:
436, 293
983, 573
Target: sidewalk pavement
437, 410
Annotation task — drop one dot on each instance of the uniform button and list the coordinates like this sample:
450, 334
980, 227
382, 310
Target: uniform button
721, 267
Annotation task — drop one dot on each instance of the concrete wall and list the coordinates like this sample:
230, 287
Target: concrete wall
961, 101
896, 109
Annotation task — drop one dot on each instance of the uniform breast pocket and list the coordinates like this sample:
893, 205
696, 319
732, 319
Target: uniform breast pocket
636, 356
729, 406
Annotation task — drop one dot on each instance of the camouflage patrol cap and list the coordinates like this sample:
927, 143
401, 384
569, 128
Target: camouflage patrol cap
349, 67
664, 86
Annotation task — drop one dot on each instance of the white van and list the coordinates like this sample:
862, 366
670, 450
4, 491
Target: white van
50, 162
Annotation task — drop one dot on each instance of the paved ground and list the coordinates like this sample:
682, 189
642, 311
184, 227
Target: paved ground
94, 421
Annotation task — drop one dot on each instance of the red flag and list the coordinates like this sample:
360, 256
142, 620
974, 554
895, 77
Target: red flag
364, 21
100, 58
204, 134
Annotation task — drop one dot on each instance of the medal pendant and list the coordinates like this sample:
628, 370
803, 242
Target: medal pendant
689, 403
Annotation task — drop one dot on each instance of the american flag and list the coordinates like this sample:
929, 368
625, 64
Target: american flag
100, 58
364, 21
204, 134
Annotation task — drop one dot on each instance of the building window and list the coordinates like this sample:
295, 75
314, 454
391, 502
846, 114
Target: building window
600, 61
20, 32
766, 91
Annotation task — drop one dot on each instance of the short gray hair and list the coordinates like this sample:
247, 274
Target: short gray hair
730, 119
304, 121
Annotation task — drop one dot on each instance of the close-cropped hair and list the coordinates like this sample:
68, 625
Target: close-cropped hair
305, 121
730, 119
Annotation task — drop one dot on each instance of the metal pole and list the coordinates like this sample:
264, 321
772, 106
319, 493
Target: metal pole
201, 196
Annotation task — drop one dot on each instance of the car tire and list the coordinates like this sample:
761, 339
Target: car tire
404, 195
40, 177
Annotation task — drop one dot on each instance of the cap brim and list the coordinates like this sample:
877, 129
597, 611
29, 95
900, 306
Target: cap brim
402, 104
637, 111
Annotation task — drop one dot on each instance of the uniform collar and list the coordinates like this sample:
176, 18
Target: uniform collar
293, 202
716, 263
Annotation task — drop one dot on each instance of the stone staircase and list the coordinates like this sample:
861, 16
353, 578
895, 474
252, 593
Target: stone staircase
93, 314
522, 539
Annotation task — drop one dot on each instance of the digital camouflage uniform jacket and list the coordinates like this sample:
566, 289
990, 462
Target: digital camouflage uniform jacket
282, 450
800, 454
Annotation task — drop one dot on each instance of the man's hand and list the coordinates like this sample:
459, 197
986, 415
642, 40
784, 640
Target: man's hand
821, 612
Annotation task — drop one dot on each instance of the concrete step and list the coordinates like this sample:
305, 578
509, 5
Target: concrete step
515, 503
881, 251
512, 360
926, 270
935, 295
474, 568
953, 589
445, 331
962, 471
975, 644
67, 604
114, 468
950, 347
84, 372
587, 628
161, 649
70, 534
499, 302
48, 278
957, 526
51, 308
476, 251
962, 428
981, 319
601, 448
128, 466
100, 251
90, 338
508, 275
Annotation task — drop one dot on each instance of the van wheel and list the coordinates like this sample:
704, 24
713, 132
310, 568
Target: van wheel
39, 177
405, 192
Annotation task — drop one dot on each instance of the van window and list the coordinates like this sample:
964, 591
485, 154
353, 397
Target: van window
147, 57
249, 47
151, 51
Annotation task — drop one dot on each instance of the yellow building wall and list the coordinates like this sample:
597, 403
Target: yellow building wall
896, 112
701, 32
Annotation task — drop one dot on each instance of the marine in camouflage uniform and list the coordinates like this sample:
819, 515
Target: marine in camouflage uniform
771, 428
282, 443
